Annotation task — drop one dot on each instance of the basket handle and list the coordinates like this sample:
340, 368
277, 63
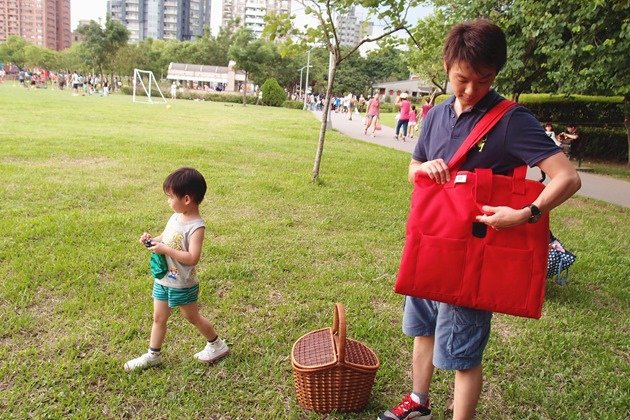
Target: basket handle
339, 331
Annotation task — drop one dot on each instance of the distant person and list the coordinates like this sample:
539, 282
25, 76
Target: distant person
178, 286
426, 107
174, 90
403, 119
550, 133
413, 120
373, 114
569, 140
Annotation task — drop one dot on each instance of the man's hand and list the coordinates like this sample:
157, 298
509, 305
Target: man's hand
503, 217
437, 170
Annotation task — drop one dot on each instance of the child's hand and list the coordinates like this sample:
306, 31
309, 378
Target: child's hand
158, 247
145, 237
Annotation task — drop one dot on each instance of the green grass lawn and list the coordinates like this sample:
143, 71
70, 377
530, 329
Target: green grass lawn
81, 180
615, 170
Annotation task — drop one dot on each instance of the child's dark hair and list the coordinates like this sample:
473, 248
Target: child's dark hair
478, 42
186, 181
413, 107
548, 124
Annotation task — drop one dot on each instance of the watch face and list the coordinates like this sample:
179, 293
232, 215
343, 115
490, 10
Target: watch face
535, 214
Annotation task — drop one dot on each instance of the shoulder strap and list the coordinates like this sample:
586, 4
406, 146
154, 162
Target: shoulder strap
480, 129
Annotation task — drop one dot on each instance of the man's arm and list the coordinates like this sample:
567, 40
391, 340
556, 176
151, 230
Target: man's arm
564, 183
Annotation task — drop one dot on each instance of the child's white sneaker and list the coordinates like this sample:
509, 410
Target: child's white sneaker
146, 360
213, 351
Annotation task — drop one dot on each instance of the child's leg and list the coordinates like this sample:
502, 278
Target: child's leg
191, 313
161, 313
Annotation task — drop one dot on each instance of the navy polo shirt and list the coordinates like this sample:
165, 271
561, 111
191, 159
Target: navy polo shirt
517, 139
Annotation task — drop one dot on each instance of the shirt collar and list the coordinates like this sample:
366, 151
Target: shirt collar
487, 102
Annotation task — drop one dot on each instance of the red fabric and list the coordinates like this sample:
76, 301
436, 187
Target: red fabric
503, 271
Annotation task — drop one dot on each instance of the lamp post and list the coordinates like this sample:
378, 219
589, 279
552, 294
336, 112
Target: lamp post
300, 89
308, 65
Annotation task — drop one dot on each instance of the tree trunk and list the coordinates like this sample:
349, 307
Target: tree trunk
626, 120
245, 90
326, 113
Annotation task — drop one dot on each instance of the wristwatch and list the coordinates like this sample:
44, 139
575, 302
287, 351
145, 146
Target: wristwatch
535, 214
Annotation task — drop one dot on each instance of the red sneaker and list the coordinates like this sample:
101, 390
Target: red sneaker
407, 409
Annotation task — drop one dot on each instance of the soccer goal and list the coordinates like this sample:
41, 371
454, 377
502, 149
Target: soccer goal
144, 88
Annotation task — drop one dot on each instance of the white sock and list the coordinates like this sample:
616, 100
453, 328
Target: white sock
420, 398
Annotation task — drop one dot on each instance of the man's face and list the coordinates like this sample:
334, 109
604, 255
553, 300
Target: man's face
470, 85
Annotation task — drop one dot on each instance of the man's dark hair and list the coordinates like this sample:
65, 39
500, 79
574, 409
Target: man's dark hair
478, 42
186, 181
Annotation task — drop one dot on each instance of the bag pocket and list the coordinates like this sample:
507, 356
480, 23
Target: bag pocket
506, 277
440, 266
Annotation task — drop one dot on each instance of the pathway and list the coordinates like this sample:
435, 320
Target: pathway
600, 187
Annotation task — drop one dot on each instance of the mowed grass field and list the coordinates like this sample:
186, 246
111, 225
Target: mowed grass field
82, 179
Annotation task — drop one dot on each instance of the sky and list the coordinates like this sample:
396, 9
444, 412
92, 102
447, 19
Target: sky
95, 9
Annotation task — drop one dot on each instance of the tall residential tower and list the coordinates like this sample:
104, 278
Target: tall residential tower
252, 12
45, 23
161, 19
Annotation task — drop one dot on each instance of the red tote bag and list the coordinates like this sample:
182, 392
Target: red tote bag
451, 258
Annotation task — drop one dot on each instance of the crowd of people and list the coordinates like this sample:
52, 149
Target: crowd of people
80, 84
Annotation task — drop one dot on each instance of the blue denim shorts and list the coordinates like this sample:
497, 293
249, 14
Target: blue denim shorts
175, 297
461, 334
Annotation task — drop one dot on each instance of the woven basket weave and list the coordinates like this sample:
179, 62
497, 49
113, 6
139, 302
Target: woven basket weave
332, 373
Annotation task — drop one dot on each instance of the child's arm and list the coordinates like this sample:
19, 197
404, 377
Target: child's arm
190, 257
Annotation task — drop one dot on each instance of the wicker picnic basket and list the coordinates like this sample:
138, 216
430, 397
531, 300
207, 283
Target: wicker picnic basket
332, 373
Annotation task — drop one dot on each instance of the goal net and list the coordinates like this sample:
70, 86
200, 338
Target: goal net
146, 89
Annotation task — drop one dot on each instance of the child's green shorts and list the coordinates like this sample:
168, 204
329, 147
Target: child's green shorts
175, 297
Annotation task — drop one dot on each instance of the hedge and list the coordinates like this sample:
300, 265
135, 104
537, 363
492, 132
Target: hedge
211, 96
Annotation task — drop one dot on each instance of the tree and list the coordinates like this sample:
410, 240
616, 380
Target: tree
391, 12
388, 63
272, 93
351, 76
12, 51
425, 49
251, 56
35, 56
100, 45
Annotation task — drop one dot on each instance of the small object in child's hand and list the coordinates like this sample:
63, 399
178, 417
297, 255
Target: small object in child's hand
148, 243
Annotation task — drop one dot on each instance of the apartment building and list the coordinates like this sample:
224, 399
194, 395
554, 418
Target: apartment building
252, 12
45, 23
161, 19
351, 29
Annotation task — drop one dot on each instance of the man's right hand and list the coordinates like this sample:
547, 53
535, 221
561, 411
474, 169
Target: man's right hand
437, 170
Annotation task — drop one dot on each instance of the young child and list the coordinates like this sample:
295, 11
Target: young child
413, 119
550, 133
180, 243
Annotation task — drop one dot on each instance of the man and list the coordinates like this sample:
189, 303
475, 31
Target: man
448, 336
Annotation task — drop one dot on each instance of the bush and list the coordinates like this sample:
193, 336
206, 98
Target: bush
293, 104
272, 93
202, 95
605, 143
581, 110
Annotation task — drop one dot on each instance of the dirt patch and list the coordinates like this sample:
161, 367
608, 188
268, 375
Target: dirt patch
501, 328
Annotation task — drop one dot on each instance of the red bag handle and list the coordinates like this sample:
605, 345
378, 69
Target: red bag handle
483, 126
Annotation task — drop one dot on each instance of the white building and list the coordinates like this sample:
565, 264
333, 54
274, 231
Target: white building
252, 12
161, 19
351, 29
